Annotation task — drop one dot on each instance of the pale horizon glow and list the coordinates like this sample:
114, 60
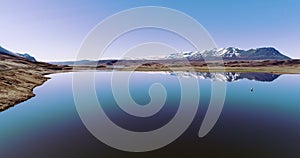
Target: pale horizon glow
54, 30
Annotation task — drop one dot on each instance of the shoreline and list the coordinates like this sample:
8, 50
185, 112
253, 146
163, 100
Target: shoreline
18, 77
18, 86
20, 83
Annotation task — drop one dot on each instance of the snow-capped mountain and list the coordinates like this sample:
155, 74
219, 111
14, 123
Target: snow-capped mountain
231, 53
4, 51
26, 56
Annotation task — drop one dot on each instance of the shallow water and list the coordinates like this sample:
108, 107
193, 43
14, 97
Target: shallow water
262, 123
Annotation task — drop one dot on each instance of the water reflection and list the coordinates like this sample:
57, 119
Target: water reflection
261, 124
228, 76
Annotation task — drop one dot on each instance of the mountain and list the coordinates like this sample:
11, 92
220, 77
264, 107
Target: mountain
26, 56
231, 53
4, 51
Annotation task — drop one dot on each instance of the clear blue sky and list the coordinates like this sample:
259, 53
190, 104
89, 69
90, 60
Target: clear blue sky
53, 30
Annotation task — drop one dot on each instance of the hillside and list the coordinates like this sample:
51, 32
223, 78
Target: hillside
18, 77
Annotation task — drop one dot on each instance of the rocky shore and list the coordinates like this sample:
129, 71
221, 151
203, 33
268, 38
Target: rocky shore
17, 86
18, 78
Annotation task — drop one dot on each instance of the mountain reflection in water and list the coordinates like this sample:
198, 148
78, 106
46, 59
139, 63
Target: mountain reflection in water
228, 76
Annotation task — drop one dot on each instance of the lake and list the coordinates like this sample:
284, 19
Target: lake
263, 123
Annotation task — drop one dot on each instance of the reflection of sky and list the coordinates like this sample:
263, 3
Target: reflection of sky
49, 123
54, 30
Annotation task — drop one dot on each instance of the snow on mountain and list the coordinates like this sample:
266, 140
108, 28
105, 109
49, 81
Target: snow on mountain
230, 53
4, 51
26, 56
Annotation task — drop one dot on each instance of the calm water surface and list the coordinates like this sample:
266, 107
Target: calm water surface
263, 123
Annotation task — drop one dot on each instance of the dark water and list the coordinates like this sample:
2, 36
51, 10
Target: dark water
263, 123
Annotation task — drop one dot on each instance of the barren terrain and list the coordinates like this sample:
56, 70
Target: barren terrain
18, 76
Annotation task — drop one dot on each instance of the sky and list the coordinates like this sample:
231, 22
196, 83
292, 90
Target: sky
54, 30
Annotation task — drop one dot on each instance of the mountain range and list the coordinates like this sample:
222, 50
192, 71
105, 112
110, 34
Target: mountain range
231, 53
26, 56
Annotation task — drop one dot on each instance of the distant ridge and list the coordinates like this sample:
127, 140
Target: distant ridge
26, 56
230, 53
